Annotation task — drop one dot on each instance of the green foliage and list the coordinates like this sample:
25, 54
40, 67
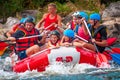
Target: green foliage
11, 7
63, 9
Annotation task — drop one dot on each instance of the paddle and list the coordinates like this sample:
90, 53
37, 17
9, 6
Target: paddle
2, 51
115, 54
117, 50
3, 44
3, 47
111, 41
81, 38
100, 58
116, 57
45, 29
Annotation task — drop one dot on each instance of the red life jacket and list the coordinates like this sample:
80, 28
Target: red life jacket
15, 27
49, 21
23, 44
58, 42
97, 34
72, 25
98, 37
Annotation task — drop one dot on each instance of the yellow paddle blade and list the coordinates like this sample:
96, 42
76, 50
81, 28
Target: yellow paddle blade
2, 51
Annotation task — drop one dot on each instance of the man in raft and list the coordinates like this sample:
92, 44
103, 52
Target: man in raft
15, 27
28, 46
51, 20
99, 34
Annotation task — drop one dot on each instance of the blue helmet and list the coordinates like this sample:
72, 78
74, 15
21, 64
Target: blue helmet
84, 15
95, 16
69, 33
22, 20
30, 19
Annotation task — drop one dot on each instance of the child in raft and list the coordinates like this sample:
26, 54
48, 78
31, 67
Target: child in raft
54, 41
67, 39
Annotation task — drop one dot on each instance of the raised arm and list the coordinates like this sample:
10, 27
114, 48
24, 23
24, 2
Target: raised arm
38, 25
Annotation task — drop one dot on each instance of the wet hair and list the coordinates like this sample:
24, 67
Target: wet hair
52, 4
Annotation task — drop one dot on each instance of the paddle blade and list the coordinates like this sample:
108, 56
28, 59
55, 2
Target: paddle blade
111, 41
117, 50
102, 61
3, 45
116, 57
2, 51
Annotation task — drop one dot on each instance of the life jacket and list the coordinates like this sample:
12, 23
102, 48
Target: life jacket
97, 34
81, 32
15, 27
23, 44
72, 25
49, 21
58, 42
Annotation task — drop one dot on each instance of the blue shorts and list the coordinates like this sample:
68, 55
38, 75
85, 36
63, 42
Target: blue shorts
22, 54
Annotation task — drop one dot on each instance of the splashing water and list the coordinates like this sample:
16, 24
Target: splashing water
54, 69
62, 71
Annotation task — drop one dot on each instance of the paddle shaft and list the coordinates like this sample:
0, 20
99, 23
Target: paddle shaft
81, 38
49, 26
29, 36
90, 35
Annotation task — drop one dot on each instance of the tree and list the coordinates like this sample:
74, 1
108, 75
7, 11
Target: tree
10, 7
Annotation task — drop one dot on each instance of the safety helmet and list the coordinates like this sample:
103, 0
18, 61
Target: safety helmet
22, 20
95, 16
83, 15
55, 32
75, 13
69, 33
30, 19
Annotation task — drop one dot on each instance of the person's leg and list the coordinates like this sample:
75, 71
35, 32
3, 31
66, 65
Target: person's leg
32, 50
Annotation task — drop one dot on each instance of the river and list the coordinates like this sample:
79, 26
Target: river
59, 71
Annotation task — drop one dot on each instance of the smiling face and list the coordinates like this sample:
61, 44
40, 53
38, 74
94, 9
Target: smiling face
54, 39
29, 26
79, 21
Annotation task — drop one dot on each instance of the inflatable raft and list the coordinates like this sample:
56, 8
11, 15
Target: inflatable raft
72, 55
64, 54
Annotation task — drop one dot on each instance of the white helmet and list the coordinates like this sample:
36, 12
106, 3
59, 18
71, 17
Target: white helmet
75, 13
